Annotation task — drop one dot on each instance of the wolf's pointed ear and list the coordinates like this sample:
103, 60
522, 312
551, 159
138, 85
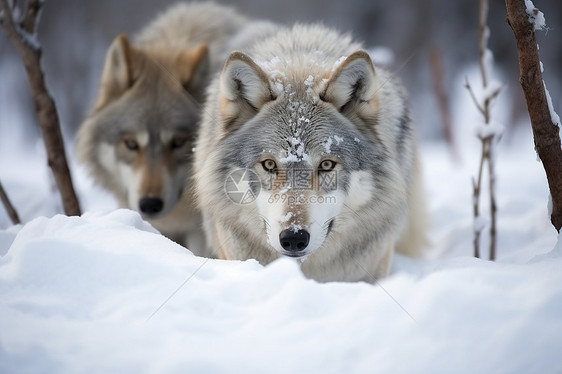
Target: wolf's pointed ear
193, 67
244, 87
117, 75
353, 81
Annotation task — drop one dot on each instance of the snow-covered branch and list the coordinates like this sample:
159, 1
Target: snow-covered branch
536, 17
524, 19
488, 134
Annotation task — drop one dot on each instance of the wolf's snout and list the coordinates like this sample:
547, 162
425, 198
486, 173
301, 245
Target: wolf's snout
151, 205
294, 241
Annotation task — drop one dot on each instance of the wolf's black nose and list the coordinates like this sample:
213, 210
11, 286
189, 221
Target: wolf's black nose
294, 241
151, 205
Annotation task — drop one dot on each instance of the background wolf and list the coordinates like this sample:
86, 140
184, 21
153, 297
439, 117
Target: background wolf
137, 140
309, 99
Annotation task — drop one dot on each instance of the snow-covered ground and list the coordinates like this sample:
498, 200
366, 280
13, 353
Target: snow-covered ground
105, 293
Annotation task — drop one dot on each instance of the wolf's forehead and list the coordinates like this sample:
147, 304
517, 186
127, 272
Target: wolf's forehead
157, 125
302, 64
170, 113
158, 117
309, 136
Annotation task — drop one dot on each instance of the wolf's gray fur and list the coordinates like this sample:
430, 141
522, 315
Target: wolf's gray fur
309, 98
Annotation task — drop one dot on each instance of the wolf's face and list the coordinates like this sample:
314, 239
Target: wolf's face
145, 123
151, 161
303, 141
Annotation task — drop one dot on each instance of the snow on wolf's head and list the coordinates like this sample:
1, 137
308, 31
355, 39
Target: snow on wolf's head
298, 131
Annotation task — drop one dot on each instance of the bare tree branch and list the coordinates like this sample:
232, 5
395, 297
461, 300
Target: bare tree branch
30, 52
493, 205
483, 39
473, 96
9, 207
545, 132
487, 139
476, 188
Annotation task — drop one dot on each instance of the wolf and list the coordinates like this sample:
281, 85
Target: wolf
307, 150
137, 140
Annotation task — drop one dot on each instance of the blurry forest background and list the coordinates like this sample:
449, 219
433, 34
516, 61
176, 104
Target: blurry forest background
76, 34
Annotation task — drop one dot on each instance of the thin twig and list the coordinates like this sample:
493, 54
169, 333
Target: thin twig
487, 142
473, 96
483, 39
493, 206
9, 207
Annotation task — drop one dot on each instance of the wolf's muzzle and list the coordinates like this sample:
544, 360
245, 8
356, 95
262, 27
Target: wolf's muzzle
294, 241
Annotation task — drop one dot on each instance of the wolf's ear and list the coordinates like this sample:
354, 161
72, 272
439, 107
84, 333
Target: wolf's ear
244, 87
117, 75
193, 67
353, 81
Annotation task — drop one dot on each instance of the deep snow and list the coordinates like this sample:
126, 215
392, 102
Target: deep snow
106, 293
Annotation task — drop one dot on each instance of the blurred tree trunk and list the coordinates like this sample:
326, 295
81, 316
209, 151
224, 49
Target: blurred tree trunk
437, 80
545, 132
23, 37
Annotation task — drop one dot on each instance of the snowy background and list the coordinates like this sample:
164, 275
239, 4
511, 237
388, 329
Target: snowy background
106, 293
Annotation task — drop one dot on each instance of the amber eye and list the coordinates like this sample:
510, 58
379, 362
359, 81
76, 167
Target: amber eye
178, 142
131, 144
269, 165
327, 165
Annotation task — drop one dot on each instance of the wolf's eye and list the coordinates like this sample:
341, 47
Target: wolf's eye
327, 165
131, 144
269, 165
178, 142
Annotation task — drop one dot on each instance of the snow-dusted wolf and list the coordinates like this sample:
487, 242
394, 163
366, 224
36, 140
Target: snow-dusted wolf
137, 141
306, 149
